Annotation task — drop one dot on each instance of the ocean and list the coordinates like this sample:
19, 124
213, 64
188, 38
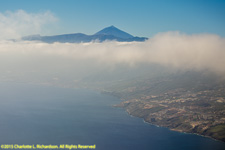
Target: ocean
36, 114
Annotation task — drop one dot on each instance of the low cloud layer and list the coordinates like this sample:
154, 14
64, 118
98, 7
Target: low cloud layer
171, 50
20, 23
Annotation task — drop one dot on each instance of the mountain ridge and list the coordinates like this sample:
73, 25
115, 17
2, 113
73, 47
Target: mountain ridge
110, 33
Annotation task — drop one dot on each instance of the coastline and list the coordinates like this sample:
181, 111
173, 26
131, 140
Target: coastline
159, 126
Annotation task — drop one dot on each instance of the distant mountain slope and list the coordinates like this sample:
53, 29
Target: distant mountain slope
115, 32
106, 34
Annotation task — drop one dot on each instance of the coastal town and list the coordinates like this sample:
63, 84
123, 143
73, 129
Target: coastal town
201, 112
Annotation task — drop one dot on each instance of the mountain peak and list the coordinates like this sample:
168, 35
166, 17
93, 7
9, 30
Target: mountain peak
112, 30
112, 26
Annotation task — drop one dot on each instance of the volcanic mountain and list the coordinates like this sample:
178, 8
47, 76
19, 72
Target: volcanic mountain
107, 34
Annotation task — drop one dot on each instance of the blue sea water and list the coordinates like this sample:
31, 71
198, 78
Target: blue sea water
34, 114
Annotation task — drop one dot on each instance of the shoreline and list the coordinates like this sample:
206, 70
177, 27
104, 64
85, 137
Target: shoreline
174, 130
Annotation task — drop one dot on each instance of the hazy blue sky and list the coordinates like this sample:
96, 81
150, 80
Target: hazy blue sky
137, 17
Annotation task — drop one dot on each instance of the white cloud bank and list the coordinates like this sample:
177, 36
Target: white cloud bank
13, 25
171, 49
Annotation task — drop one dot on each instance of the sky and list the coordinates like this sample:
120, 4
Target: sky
138, 17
